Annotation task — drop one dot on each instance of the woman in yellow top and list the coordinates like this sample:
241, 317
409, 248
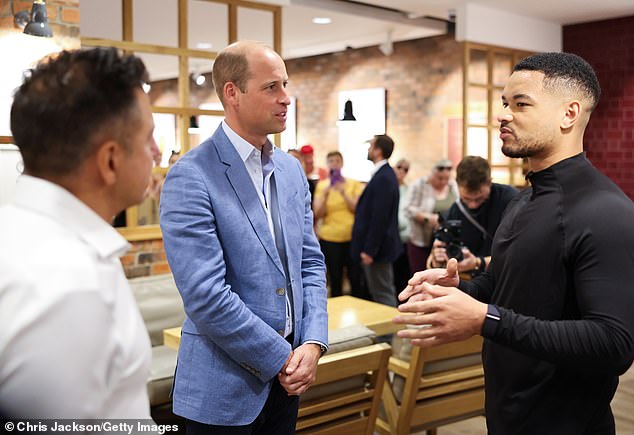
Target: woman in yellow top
334, 203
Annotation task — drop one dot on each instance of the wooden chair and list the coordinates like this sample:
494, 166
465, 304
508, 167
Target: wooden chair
440, 385
345, 398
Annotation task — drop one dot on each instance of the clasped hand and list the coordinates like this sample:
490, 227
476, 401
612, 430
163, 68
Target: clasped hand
300, 369
443, 312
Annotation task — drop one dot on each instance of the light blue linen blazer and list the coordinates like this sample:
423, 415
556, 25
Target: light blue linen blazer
229, 274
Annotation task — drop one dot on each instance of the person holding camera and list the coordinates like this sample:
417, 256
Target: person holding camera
467, 231
335, 201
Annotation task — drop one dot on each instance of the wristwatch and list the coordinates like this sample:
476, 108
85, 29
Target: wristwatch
491, 321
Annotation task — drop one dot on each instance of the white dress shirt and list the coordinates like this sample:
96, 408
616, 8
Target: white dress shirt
260, 166
378, 165
72, 341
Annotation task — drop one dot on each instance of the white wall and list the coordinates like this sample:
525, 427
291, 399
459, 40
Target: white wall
481, 24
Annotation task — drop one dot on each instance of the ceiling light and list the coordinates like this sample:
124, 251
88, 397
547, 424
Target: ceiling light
322, 20
204, 45
199, 78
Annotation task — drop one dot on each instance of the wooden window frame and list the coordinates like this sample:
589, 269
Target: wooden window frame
132, 231
491, 123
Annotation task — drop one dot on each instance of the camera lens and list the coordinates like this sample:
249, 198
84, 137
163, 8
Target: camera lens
454, 251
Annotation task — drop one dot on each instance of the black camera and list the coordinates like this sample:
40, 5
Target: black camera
449, 233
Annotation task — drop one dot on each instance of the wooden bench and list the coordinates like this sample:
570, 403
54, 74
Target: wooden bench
345, 398
433, 387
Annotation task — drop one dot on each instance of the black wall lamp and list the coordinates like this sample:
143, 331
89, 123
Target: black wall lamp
347, 112
35, 23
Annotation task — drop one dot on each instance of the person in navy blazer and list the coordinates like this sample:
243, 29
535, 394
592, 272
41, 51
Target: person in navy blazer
375, 238
238, 233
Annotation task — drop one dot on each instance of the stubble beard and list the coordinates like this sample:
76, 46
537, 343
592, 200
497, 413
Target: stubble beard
519, 148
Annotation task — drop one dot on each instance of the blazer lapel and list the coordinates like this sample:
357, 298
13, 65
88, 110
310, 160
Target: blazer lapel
243, 186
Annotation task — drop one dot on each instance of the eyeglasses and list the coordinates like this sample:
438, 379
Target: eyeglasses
403, 168
444, 168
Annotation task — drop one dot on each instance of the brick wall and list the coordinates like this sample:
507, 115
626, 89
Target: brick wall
145, 258
423, 79
63, 17
609, 47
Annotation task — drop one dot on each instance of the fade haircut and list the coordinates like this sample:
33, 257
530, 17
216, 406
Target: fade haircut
232, 65
473, 172
72, 102
567, 71
385, 144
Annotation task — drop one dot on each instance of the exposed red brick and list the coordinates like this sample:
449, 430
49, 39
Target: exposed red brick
159, 268
128, 259
609, 47
21, 5
70, 15
51, 12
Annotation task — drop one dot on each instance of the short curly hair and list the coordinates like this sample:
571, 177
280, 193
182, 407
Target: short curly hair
564, 70
70, 103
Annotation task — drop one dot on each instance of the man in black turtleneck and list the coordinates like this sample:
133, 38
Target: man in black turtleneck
556, 306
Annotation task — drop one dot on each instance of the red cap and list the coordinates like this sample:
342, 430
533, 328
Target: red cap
307, 149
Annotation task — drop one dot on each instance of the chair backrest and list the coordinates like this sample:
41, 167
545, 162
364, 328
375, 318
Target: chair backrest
160, 304
433, 387
346, 395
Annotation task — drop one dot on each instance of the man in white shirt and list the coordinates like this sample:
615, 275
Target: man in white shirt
72, 341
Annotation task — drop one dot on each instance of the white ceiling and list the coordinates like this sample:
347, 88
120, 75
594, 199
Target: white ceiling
300, 37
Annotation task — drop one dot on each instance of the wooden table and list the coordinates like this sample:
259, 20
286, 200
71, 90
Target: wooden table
342, 311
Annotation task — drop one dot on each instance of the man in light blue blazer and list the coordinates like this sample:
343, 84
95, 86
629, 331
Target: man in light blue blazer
238, 232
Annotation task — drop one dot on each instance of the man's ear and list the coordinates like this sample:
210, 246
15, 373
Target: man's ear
230, 92
109, 157
571, 115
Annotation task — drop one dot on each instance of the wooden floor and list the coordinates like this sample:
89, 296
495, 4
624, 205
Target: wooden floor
622, 407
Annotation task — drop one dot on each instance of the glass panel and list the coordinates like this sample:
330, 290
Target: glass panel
497, 158
100, 19
477, 142
496, 106
11, 167
207, 125
201, 88
163, 71
518, 176
148, 209
500, 175
502, 64
255, 25
477, 106
478, 72
165, 136
202, 35
151, 27
289, 136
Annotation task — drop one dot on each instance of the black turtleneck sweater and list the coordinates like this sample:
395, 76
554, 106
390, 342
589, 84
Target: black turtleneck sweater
562, 278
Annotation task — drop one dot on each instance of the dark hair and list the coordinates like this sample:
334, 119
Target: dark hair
473, 172
564, 70
334, 154
385, 144
70, 103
